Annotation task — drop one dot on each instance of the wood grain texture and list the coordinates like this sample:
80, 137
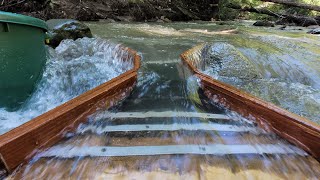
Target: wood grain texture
20, 144
298, 130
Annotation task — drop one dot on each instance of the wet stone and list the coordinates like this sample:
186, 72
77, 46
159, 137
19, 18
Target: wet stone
60, 29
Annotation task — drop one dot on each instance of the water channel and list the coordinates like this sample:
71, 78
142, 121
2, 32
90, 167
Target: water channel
165, 88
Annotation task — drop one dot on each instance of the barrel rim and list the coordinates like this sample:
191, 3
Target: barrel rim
14, 18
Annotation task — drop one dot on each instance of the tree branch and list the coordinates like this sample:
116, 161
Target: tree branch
295, 4
253, 9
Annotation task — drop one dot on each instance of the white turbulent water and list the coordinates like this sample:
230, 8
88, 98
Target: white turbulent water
276, 77
73, 68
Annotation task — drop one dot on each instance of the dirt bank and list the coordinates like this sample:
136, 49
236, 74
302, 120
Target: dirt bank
118, 10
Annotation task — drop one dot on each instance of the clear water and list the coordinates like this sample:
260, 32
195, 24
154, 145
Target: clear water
276, 71
164, 84
66, 76
282, 67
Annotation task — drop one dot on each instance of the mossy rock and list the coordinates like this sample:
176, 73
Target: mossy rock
60, 29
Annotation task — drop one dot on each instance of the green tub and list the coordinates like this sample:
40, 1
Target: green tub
22, 57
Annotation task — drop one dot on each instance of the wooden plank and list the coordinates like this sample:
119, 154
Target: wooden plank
173, 114
166, 127
195, 167
215, 149
23, 142
297, 130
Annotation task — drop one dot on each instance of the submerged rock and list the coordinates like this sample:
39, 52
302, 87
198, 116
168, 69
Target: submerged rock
60, 29
295, 97
271, 67
264, 23
315, 31
226, 60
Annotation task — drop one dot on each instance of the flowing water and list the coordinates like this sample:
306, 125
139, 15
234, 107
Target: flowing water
65, 77
282, 70
168, 129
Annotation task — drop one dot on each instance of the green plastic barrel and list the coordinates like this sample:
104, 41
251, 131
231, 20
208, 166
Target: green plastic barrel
22, 57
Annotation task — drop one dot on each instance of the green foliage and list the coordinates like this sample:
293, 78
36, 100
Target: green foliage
226, 13
295, 10
230, 14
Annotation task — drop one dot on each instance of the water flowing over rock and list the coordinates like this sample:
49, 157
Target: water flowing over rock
224, 55
73, 68
271, 70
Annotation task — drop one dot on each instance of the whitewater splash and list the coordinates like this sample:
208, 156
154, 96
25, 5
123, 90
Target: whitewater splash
73, 68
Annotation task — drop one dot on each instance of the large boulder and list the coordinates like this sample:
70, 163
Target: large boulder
60, 29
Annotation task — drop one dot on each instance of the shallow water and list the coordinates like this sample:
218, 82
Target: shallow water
280, 71
165, 86
282, 67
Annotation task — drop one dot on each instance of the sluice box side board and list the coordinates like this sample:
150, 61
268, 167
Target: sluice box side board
298, 130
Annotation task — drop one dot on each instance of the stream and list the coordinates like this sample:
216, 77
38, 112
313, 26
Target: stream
282, 67
283, 63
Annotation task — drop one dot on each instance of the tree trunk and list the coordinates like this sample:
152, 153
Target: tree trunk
295, 4
253, 9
